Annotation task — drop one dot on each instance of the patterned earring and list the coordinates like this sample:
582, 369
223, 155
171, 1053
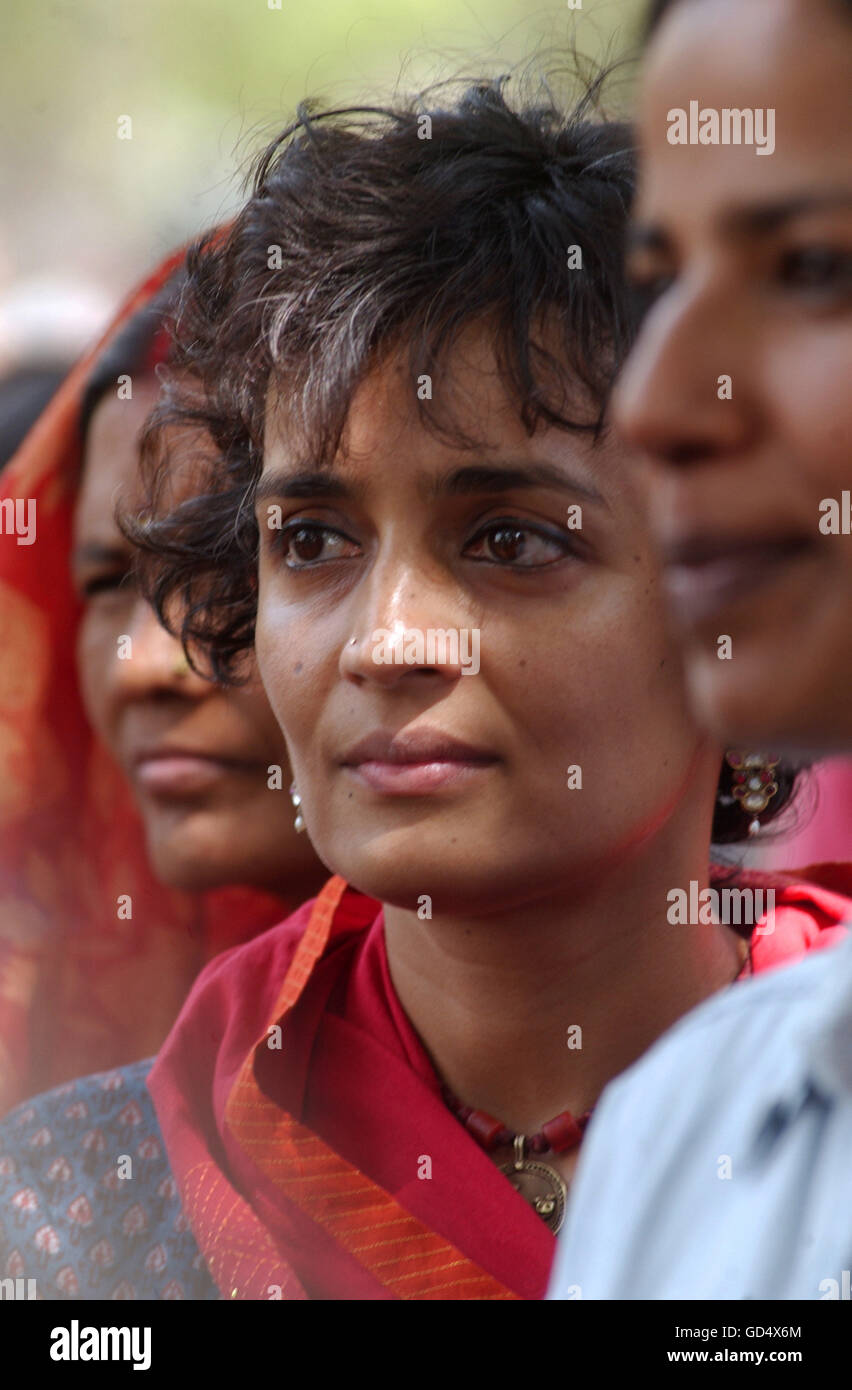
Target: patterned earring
299, 822
754, 783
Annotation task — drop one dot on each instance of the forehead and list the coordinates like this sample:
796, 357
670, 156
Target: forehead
466, 391
111, 454
791, 56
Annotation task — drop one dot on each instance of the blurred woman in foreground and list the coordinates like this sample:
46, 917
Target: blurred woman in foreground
719, 1166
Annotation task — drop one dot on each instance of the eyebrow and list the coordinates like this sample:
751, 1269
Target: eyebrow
472, 480
751, 220
308, 484
767, 217
480, 478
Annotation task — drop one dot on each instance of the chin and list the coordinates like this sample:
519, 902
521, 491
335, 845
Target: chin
401, 867
183, 856
189, 873
392, 875
773, 705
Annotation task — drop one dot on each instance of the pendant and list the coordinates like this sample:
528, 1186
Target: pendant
539, 1184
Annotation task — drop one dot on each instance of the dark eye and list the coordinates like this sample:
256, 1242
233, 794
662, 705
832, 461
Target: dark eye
303, 544
518, 545
105, 583
645, 291
820, 268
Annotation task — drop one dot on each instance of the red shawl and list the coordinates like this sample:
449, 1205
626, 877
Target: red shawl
303, 1167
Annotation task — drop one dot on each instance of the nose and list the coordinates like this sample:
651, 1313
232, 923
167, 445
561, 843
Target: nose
149, 662
673, 401
410, 623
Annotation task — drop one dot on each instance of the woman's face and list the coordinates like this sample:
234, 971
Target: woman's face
747, 259
197, 755
445, 772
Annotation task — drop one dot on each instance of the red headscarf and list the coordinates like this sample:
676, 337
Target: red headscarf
80, 988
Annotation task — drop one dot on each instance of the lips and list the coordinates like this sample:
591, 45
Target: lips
415, 761
177, 772
705, 574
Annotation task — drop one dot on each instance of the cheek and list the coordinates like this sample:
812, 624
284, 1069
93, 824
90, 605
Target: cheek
808, 386
96, 651
287, 652
601, 677
250, 713
609, 700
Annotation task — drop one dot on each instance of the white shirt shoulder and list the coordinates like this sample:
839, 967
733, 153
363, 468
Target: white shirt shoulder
650, 1197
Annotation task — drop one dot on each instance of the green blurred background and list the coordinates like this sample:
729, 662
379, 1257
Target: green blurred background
205, 81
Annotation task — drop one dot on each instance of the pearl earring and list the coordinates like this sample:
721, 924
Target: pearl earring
299, 822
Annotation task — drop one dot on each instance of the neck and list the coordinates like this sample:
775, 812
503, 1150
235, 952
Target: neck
493, 997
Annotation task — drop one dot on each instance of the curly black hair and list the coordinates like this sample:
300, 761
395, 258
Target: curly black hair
368, 229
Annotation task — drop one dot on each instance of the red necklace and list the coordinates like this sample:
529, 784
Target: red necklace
538, 1183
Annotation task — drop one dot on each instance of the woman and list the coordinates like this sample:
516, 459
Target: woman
420, 517
746, 263
96, 956
767, 239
